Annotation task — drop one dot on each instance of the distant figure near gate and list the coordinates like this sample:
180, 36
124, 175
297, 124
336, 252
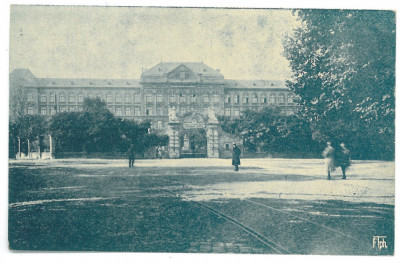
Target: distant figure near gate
131, 155
235, 156
343, 159
329, 160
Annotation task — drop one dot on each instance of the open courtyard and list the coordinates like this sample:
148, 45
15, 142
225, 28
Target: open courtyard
271, 206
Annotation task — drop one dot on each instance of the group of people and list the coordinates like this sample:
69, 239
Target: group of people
333, 158
336, 158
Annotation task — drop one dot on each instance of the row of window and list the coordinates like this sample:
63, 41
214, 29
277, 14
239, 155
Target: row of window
263, 99
236, 111
72, 98
127, 111
182, 98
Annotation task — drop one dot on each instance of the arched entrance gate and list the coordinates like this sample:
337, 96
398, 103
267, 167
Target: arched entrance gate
193, 135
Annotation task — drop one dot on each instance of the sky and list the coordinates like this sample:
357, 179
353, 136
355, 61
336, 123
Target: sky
119, 42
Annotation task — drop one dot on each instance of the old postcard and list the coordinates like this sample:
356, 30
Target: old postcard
201, 130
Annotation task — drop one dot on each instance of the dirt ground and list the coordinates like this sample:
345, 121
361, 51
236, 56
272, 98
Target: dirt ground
271, 206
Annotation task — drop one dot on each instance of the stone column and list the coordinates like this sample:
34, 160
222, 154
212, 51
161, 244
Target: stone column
173, 133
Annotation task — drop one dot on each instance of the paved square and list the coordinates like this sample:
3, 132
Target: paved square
201, 206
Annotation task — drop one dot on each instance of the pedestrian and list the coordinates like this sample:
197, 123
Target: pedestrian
131, 155
235, 156
159, 152
344, 159
328, 154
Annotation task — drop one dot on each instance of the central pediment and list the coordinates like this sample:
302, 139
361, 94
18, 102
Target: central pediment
181, 73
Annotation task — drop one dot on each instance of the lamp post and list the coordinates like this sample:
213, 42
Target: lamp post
51, 146
29, 148
19, 147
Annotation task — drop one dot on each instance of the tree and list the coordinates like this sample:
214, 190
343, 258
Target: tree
69, 130
343, 64
26, 127
270, 131
95, 129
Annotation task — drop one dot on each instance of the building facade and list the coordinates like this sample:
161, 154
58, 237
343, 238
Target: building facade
178, 98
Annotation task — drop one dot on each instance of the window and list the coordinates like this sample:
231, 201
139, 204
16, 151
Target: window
215, 98
30, 110
193, 98
183, 111
281, 98
245, 99
182, 74
71, 109
159, 98
52, 111
62, 97
290, 98
237, 112
290, 111
63, 109
98, 95
254, 98
159, 125
118, 98
226, 146
137, 98
149, 112
159, 111
43, 97
90, 95
128, 111
127, 98
109, 98
71, 98
80, 98
149, 98
43, 111
80, 108
118, 111
205, 98
110, 109
228, 112
182, 98
51, 97
172, 98
227, 99
236, 99
137, 111
272, 98
264, 100
29, 97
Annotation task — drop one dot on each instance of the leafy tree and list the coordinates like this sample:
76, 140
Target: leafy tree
95, 129
343, 64
69, 130
26, 127
269, 131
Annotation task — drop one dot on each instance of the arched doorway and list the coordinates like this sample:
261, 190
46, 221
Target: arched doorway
193, 143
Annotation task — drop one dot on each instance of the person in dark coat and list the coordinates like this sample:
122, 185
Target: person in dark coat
235, 156
343, 159
131, 155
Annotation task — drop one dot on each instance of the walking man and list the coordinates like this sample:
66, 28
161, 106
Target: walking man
235, 157
344, 159
329, 160
131, 155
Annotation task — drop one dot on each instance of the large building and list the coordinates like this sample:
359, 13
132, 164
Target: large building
179, 98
